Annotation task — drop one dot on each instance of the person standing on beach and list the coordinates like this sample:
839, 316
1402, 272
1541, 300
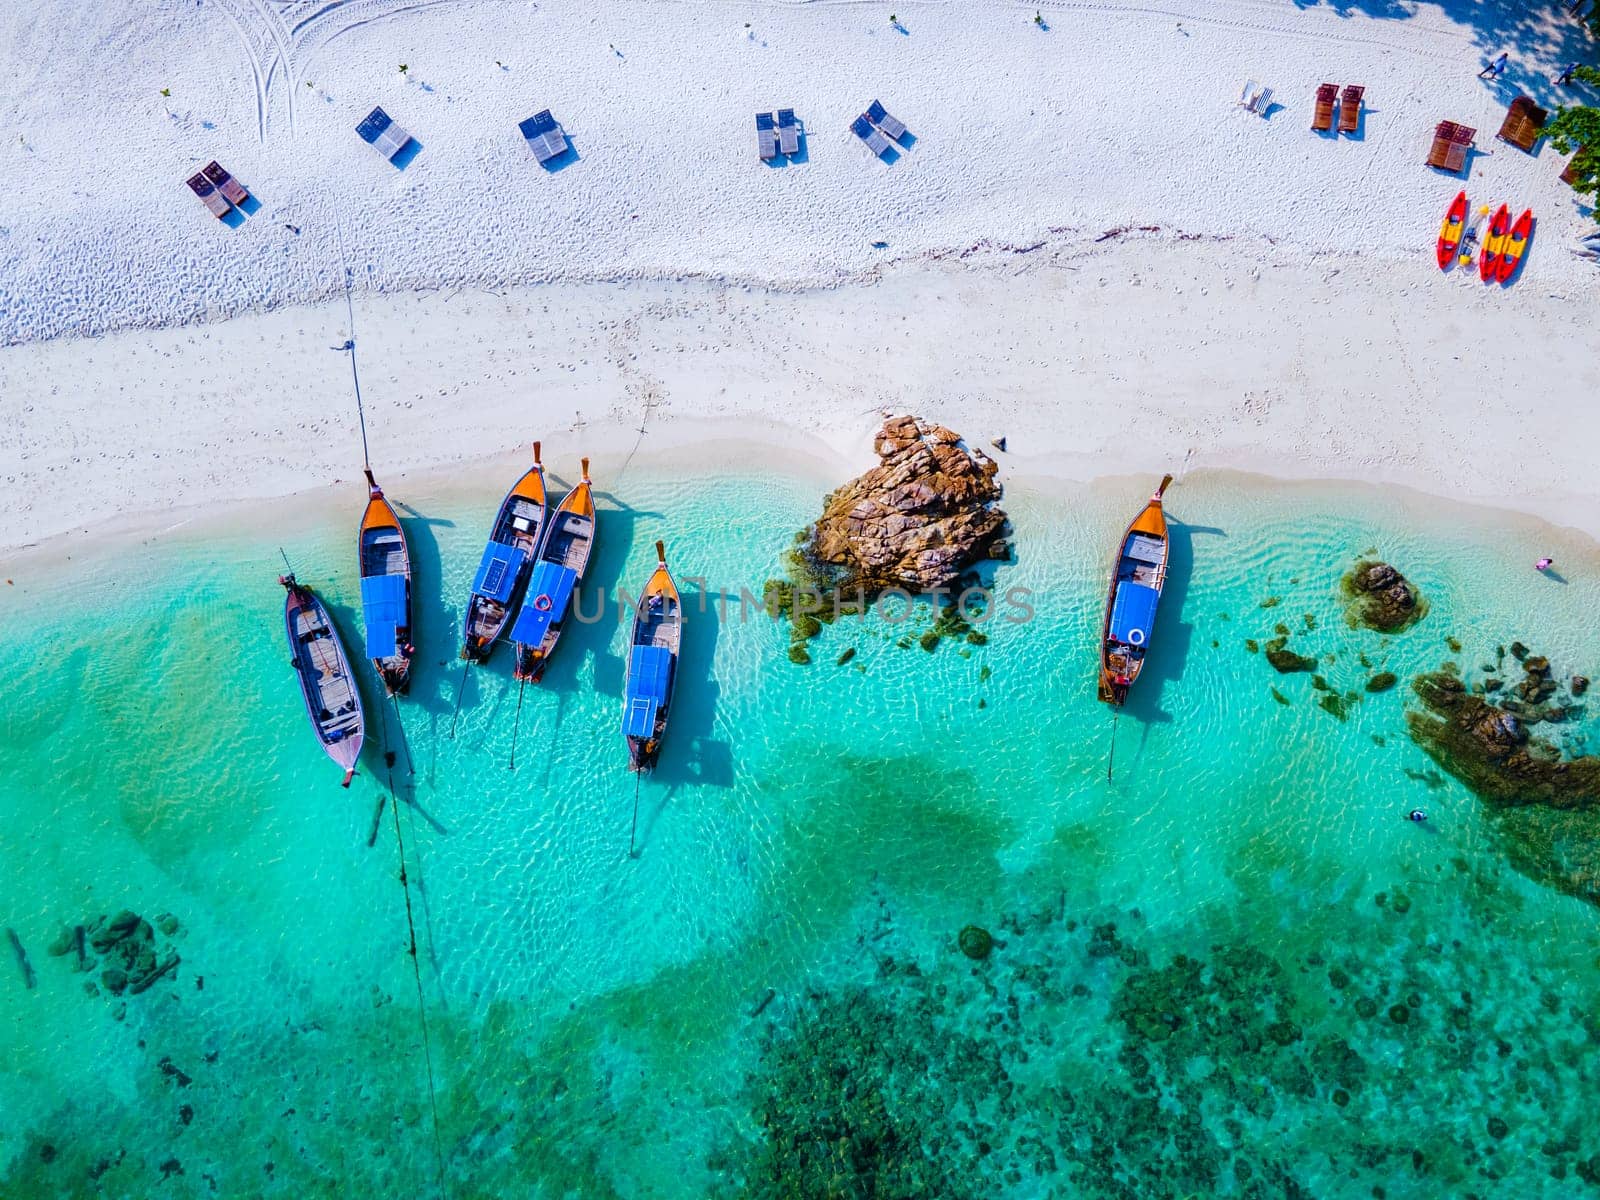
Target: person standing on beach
1544, 564
1492, 70
1566, 73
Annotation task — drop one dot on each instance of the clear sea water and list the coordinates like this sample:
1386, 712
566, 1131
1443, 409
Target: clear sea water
778, 968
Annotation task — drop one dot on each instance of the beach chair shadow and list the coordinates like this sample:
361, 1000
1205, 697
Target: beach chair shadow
250, 205
1272, 107
233, 218
563, 160
406, 155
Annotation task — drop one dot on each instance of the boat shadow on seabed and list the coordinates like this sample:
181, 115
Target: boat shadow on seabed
1174, 630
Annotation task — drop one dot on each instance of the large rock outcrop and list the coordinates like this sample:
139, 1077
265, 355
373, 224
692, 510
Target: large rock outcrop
1546, 806
1381, 598
917, 520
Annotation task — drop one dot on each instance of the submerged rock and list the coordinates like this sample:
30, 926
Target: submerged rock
1286, 661
1382, 681
1547, 806
975, 941
1381, 598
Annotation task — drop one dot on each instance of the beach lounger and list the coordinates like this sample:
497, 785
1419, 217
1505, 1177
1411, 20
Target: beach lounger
225, 183
788, 132
870, 134
1254, 97
544, 136
766, 137
1523, 123
1350, 108
380, 132
214, 200
1450, 144
1322, 118
879, 116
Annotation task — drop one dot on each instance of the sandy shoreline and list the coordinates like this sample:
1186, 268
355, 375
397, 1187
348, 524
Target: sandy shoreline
1112, 358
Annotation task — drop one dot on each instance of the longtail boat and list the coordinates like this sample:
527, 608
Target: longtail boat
513, 542
326, 682
568, 542
1137, 577
386, 590
652, 666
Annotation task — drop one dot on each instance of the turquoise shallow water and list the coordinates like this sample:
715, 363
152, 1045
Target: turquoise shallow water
770, 1000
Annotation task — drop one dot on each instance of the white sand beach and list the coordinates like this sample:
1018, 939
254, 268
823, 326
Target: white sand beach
1088, 248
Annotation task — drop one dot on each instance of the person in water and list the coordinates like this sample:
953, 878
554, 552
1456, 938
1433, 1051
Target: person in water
1544, 564
1416, 814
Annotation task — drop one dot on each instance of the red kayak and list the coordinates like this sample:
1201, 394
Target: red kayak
1455, 222
1511, 255
1494, 244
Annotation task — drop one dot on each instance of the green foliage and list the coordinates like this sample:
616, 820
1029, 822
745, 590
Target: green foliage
1578, 129
166, 92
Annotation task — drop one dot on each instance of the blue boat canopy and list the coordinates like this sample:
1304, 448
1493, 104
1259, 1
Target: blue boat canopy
549, 591
497, 573
1134, 613
649, 673
383, 605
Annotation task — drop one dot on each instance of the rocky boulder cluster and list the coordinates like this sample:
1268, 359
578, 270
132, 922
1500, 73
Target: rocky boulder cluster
917, 523
125, 949
1547, 805
1381, 598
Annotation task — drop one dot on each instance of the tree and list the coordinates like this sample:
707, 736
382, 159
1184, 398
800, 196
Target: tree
1578, 129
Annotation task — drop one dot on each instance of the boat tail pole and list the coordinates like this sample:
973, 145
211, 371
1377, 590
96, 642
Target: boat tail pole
1165, 480
516, 725
348, 776
416, 971
1111, 762
405, 742
460, 688
536, 461
638, 778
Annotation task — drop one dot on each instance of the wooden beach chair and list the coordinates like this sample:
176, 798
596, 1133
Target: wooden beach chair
788, 132
1327, 97
871, 135
879, 116
1523, 123
766, 137
216, 203
1248, 94
225, 183
1569, 174
544, 136
1350, 108
1450, 144
378, 130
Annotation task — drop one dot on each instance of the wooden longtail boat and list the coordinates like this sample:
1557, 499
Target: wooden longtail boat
1137, 577
568, 542
513, 542
652, 666
386, 590
326, 682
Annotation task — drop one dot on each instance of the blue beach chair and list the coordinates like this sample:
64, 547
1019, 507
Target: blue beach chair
788, 132
544, 136
879, 116
871, 135
380, 132
766, 137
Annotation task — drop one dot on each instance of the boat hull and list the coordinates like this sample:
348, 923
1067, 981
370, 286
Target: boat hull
563, 560
1450, 233
327, 685
652, 668
1138, 575
383, 552
513, 544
